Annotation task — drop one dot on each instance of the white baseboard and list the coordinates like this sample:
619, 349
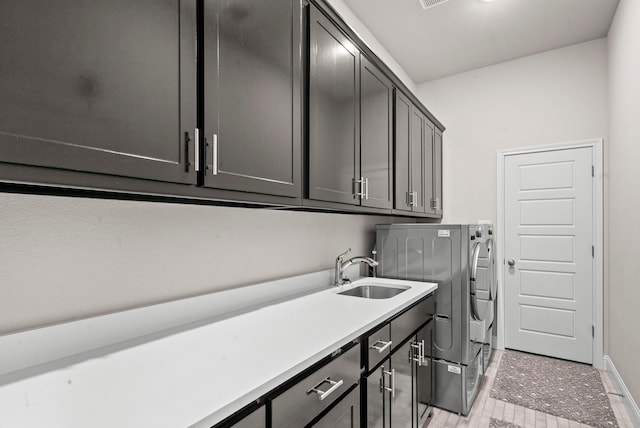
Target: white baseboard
630, 404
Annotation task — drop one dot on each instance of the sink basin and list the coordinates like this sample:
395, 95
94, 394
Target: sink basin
374, 291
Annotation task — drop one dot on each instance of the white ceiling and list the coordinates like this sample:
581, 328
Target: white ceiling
462, 35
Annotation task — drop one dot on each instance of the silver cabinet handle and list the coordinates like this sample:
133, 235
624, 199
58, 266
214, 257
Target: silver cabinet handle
412, 198
324, 394
196, 136
214, 165
392, 374
358, 194
366, 188
420, 359
381, 349
511, 262
214, 155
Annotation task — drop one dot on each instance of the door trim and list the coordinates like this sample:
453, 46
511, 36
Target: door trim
598, 222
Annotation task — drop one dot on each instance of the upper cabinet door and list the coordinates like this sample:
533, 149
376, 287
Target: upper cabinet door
376, 136
437, 172
252, 98
418, 158
402, 152
103, 86
429, 170
333, 112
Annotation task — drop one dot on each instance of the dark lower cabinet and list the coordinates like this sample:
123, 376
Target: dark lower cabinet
255, 419
252, 96
393, 389
425, 371
382, 379
350, 148
346, 414
104, 87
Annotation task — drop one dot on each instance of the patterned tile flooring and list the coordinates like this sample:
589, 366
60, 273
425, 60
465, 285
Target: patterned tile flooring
486, 408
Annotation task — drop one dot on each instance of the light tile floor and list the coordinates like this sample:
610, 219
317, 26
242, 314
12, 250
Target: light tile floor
485, 408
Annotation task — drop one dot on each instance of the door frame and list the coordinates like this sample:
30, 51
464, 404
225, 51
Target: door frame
598, 223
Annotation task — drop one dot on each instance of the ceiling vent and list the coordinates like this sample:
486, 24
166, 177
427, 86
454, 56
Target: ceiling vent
427, 4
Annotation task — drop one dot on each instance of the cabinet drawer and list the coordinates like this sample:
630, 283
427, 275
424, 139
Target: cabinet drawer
410, 320
378, 346
298, 405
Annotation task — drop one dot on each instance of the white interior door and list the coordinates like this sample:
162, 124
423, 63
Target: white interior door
548, 266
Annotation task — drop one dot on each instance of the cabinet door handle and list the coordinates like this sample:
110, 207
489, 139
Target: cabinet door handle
360, 183
391, 374
324, 394
415, 356
196, 145
214, 155
366, 188
381, 349
214, 167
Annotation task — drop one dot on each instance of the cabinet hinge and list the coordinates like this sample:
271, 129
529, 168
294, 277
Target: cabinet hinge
593, 251
593, 331
593, 170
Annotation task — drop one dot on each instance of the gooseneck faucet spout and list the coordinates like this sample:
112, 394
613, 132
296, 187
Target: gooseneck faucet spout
342, 265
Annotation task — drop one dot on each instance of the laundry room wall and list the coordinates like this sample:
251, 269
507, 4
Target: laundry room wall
553, 97
624, 198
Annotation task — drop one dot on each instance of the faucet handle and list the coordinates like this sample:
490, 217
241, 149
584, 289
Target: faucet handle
344, 254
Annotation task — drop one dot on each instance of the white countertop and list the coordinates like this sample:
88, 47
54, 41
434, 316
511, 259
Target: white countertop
199, 376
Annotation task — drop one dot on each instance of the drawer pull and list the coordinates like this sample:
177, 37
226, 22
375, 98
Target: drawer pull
381, 345
324, 394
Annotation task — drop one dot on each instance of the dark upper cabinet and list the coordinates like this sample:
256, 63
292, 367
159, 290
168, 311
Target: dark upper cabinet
429, 167
252, 99
437, 172
402, 193
350, 121
410, 156
418, 160
376, 136
106, 87
334, 132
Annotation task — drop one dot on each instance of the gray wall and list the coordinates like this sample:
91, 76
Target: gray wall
624, 197
69, 258
554, 97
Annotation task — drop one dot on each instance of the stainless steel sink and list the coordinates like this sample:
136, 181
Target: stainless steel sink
374, 291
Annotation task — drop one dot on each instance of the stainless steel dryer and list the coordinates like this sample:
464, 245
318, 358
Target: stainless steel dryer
458, 258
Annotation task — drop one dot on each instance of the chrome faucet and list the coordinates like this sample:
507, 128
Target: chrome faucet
342, 265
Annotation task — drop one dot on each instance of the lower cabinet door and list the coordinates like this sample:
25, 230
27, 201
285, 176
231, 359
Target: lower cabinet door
425, 370
255, 419
346, 414
378, 411
403, 387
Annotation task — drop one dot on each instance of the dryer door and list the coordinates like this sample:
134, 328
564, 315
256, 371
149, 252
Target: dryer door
473, 282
